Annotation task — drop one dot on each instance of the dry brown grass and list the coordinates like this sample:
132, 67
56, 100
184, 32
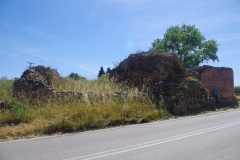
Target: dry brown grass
22, 119
57, 118
100, 85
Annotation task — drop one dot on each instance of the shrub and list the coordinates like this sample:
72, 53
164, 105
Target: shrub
18, 112
237, 89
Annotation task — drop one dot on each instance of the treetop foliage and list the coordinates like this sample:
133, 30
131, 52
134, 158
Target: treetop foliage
189, 43
75, 76
237, 89
108, 70
101, 72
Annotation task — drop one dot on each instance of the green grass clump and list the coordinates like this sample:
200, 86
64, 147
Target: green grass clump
17, 112
6, 87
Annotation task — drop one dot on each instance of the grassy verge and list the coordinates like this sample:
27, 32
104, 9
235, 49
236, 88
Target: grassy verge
55, 118
22, 119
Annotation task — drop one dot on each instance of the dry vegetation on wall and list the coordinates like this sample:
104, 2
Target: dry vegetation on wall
101, 85
22, 119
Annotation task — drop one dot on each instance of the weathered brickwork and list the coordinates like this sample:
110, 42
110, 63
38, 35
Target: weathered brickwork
220, 78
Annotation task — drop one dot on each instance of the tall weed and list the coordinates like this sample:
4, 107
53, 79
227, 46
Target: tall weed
6, 87
17, 112
92, 113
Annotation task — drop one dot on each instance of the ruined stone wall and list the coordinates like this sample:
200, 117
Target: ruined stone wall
220, 78
35, 85
158, 65
35, 82
158, 74
217, 77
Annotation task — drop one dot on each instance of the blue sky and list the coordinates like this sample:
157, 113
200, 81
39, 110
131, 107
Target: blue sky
82, 35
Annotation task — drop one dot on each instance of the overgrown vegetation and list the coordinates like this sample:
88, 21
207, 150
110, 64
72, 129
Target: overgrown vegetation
102, 84
22, 119
6, 87
237, 89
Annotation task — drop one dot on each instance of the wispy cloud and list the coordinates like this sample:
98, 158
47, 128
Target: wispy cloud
1, 50
228, 53
4, 23
226, 17
40, 34
125, 5
228, 37
127, 2
147, 26
88, 67
27, 49
12, 55
46, 36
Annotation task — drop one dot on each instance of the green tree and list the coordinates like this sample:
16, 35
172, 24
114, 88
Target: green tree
237, 89
108, 70
74, 76
189, 43
101, 72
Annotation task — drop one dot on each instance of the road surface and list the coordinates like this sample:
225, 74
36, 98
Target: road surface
213, 136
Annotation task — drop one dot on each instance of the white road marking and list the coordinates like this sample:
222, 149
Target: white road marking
152, 143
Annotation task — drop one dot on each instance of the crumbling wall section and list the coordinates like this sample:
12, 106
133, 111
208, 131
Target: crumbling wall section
157, 74
35, 82
220, 78
164, 76
157, 65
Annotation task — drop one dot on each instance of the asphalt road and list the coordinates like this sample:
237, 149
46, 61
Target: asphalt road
214, 136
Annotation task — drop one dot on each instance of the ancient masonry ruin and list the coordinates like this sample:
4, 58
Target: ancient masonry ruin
156, 73
220, 78
36, 84
182, 89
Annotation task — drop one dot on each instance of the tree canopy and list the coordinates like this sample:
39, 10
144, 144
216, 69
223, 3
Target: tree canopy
108, 70
74, 76
189, 43
237, 89
101, 72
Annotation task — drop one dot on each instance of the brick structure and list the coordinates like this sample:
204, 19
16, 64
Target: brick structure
157, 65
220, 78
164, 76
